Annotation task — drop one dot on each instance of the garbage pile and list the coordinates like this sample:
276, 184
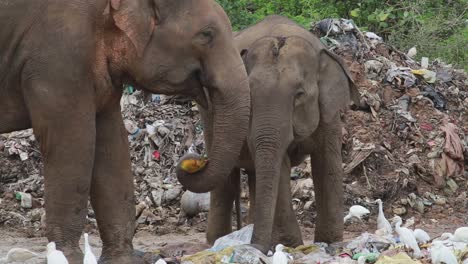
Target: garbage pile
409, 147
367, 248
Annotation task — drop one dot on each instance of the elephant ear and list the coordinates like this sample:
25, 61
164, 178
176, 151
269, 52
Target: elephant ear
137, 19
336, 86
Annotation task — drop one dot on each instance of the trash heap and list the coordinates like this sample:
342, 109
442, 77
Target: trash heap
366, 248
407, 145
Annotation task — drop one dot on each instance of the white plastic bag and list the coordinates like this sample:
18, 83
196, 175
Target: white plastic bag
236, 238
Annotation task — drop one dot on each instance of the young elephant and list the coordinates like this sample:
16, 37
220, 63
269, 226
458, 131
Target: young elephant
297, 91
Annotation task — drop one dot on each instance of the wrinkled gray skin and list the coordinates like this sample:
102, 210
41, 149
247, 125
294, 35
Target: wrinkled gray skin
297, 91
62, 69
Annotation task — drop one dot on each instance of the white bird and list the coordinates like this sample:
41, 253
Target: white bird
382, 222
89, 257
412, 52
55, 256
356, 211
442, 254
17, 255
161, 261
421, 236
460, 235
279, 257
407, 237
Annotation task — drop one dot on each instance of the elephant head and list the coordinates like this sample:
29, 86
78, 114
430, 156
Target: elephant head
179, 47
296, 83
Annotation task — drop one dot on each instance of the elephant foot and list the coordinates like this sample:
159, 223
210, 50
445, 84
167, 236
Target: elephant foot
261, 248
137, 257
328, 236
74, 256
291, 241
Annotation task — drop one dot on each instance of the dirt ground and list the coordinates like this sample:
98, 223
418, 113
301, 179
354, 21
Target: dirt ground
191, 241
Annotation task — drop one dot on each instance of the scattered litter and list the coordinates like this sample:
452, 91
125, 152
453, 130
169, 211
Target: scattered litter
236, 238
429, 76
412, 52
401, 76
400, 258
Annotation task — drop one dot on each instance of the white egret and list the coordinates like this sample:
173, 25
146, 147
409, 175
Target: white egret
407, 237
279, 257
421, 236
442, 254
382, 222
356, 211
55, 256
89, 257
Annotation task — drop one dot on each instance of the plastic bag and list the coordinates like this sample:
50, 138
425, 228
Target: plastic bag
247, 255
236, 238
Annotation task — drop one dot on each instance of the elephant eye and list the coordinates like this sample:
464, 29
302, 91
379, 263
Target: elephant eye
205, 37
300, 94
298, 98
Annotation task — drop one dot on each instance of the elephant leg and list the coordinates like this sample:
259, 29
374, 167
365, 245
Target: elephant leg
221, 205
251, 180
64, 126
286, 227
328, 182
112, 194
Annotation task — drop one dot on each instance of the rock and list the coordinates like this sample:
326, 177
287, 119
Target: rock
140, 208
451, 187
157, 196
195, 203
399, 210
440, 201
172, 194
2, 145
148, 217
36, 214
419, 205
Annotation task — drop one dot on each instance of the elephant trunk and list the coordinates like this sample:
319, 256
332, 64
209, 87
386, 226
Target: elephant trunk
270, 135
230, 121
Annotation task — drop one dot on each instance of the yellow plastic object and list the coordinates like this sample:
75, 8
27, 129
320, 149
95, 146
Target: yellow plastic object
193, 165
428, 75
304, 249
208, 257
400, 258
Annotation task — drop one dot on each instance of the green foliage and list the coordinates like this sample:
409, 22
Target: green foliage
438, 28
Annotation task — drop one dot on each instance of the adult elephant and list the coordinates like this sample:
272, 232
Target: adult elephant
298, 88
62, 68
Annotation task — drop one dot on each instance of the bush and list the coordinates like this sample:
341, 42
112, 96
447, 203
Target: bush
438, 28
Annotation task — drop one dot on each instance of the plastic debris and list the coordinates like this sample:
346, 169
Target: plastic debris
400, 258
429, 76
402, 76
25, 198
412, 52
370, 257
236, 238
